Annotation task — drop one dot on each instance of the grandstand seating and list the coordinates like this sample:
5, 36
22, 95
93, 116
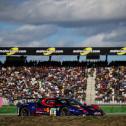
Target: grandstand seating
111, 84
65, 79
27, 82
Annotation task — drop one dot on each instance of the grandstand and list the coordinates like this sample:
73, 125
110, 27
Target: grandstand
92, 81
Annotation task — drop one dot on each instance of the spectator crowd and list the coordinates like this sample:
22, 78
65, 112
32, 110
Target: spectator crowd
111, 84
66, 79
36, 82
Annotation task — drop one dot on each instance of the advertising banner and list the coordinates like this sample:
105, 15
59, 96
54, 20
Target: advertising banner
47, 51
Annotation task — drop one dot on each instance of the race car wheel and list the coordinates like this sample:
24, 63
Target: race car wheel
102, 113
24, 112
65, 112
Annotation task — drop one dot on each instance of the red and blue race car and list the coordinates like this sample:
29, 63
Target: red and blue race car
59, 107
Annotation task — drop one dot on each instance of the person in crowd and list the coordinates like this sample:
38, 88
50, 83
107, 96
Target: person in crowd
36, 82
111, 84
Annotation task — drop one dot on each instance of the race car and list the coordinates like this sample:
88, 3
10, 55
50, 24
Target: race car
57, 107
93, 109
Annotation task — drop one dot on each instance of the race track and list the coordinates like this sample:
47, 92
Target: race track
63, 121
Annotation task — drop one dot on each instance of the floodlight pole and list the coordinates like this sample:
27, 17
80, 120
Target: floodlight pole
78, 58
106, 59
50, 58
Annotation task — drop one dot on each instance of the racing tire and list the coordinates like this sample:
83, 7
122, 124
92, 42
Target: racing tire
102, 113
65, 112
24, 112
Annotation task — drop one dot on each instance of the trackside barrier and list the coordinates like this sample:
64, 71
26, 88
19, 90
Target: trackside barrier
110, 103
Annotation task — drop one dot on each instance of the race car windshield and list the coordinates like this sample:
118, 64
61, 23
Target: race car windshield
74, 102
63, 101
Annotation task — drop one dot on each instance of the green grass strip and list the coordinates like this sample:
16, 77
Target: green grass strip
8, 109
114, 109
107, 108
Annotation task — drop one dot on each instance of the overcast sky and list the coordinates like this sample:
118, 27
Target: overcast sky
63, 23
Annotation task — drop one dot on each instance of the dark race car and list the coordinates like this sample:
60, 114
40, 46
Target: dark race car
92, 109
57, 106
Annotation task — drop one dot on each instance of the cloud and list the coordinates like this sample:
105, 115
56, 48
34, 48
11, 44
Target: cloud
104, 40
36, 36
65, 12
90, 30
100, 22
109, 36
27, 35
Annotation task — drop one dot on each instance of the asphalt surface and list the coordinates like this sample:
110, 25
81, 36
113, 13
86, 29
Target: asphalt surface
63, 121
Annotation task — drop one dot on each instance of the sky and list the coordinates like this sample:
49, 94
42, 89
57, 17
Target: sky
63, 23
